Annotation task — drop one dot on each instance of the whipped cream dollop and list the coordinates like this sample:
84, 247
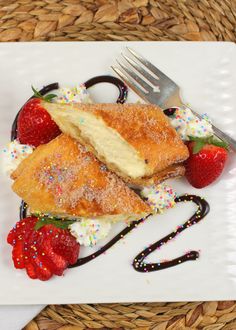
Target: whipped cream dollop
76, 94
13, 154
187, 124
159, 197
89, 231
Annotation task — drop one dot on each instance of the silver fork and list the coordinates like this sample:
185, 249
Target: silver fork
157, 88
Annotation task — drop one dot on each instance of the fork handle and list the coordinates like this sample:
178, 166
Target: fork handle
221, 135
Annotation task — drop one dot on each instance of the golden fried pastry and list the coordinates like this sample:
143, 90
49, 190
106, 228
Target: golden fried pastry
173, 171
134, 140
61, 178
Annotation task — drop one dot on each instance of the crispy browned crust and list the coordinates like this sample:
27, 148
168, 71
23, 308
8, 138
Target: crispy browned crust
62, 178
143, 126
173, 171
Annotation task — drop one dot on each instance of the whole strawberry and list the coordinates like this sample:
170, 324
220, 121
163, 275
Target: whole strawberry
206, 161
42, 249
34, 124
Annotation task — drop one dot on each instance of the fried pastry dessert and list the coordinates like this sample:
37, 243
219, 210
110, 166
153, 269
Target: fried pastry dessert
136, 141
61, 178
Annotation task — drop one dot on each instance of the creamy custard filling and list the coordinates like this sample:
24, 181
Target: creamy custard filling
107, 142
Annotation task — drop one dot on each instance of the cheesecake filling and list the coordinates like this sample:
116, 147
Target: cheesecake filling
107, 142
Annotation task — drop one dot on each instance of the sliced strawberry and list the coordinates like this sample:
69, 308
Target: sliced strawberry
15, 232
44, 252
16, 238
58, 263
18, 255
34, 125
42, 268
40, 256
66, 246
11, 237
20, 228
31, 272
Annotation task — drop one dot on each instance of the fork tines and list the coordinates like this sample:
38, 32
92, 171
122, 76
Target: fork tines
143, 77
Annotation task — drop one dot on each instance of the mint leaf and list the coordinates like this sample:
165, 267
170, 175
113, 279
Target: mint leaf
59, 223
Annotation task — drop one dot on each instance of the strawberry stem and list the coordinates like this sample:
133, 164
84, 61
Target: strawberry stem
59, 223
199, 143
47, 98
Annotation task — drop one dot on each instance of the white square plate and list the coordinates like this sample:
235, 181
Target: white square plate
206, 73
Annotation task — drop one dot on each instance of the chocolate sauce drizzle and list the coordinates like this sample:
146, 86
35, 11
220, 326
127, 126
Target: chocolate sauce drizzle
169, 112
23, 210
123, 89
139, 261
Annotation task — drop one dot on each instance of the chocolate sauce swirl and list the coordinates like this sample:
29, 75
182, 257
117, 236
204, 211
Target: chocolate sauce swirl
169, 112
139, 261
123, 89
23, 210
202, 210
122, 234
